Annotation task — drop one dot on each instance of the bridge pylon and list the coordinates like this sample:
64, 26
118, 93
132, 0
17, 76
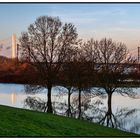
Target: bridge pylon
14, 46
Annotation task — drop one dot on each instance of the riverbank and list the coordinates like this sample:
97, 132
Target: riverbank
16, 122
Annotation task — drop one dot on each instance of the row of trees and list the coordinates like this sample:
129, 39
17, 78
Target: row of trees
60, 58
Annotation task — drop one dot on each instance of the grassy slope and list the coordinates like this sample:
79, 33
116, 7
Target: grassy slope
21, 122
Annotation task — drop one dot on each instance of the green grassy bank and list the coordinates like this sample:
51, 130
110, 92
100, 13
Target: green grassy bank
25, 123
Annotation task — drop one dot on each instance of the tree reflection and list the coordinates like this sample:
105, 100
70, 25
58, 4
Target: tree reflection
105, 116
65, 91
109, 119
117, 120
35, 103
91, 110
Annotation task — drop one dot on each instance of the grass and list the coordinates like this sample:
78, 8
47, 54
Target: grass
16, 122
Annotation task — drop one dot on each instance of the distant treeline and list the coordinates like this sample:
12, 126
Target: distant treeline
12, 71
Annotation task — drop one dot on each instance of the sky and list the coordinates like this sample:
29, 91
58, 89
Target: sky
121, 22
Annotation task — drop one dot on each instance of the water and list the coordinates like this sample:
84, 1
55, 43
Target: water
125, 109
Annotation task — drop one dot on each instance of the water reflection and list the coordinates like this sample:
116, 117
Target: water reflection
93, 111
125, 113
13, 98
35, 103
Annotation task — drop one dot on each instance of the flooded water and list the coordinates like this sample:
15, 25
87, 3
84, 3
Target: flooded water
126, 111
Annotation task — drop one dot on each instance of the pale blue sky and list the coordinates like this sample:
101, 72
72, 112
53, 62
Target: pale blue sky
118, 21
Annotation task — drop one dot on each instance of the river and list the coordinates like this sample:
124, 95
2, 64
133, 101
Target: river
125, 109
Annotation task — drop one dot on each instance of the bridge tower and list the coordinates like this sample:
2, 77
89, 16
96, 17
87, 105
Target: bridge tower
14, 46
139, 59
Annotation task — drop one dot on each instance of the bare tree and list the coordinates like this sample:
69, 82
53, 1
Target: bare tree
67, 77
111, 63
45, 46
90, 61
80, 74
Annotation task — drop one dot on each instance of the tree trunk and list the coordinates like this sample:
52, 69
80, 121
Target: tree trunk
49, 103
109, 103
109, 111
79, 107
69, 94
